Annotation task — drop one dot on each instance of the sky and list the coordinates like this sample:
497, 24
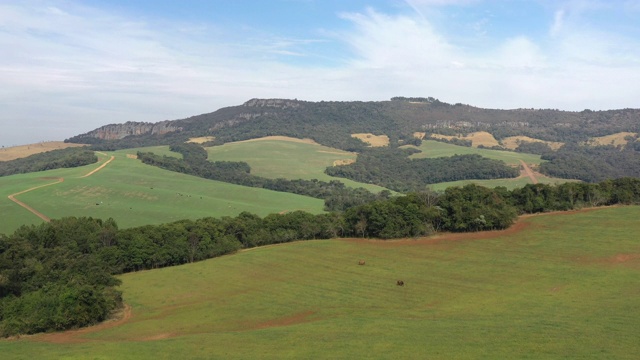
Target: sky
68, 67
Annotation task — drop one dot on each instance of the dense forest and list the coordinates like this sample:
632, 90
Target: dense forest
54, 159
59, 275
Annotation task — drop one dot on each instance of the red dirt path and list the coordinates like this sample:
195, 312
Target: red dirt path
529, 172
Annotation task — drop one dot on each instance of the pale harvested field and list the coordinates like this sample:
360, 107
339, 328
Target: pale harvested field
512, 142
419, 135
280, 138
16, 152
477, 138
613, 139
343, 162
201, 140
373, 140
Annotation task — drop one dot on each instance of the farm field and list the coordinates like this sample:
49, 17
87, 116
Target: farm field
508, 183
434, 149
136, 194
287, 159
554, 286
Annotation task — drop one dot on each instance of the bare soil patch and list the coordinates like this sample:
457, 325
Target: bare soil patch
513, 142
17, 152
280, 138
372, 140
132, 156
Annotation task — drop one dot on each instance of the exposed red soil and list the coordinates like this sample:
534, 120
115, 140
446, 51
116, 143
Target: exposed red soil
529, 172
74, 336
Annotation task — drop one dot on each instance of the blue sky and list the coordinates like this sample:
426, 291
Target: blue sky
68, 67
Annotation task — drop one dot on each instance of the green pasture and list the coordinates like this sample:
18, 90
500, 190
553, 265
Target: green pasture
435, 149
137, 194
286, 159
162, 150
561, 287
508, 183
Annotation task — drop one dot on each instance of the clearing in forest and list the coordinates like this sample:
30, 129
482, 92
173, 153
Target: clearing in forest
613, 139
512, 142
372, 140
201, 140
477, 138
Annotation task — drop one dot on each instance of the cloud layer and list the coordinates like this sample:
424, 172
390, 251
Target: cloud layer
70, 68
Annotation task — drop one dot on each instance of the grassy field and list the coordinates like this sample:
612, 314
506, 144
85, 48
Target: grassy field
286, 159
551, 287
136, 194
434, 149
508, 183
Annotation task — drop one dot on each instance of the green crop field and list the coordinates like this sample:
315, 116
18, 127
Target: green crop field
287, 159
551, 287
434, 149
136, 194
508, 183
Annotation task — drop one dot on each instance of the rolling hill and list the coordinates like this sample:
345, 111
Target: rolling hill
551, 287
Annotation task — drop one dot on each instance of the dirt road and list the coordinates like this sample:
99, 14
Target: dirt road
529, 172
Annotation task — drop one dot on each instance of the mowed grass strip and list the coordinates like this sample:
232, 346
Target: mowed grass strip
554, 287
435, 149
287, 159
136, 194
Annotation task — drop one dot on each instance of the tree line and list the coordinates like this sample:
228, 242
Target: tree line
54, 159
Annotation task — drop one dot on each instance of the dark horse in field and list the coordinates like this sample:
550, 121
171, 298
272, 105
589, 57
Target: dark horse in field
400, 283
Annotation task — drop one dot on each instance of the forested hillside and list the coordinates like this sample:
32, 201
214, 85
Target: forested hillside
332, 123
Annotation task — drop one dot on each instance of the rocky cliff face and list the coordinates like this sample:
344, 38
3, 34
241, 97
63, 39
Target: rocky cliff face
119, 131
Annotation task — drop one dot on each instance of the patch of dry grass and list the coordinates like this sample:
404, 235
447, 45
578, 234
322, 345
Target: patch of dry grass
372, 140
477, 138
613, 139
201, 140
17, 152
513, 142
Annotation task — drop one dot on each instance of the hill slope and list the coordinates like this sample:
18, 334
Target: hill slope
553, 286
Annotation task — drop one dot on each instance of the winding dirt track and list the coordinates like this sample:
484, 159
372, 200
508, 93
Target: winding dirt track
12, 197
42, 216
529, 172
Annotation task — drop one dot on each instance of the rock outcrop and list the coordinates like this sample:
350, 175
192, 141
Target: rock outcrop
119, 131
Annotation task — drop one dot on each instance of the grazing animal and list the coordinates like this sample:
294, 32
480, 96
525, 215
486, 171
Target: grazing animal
400, 283
361, 262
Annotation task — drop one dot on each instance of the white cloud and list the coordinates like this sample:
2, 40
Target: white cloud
70, 68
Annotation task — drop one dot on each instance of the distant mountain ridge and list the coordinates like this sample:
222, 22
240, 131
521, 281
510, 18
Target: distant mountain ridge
331, 123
